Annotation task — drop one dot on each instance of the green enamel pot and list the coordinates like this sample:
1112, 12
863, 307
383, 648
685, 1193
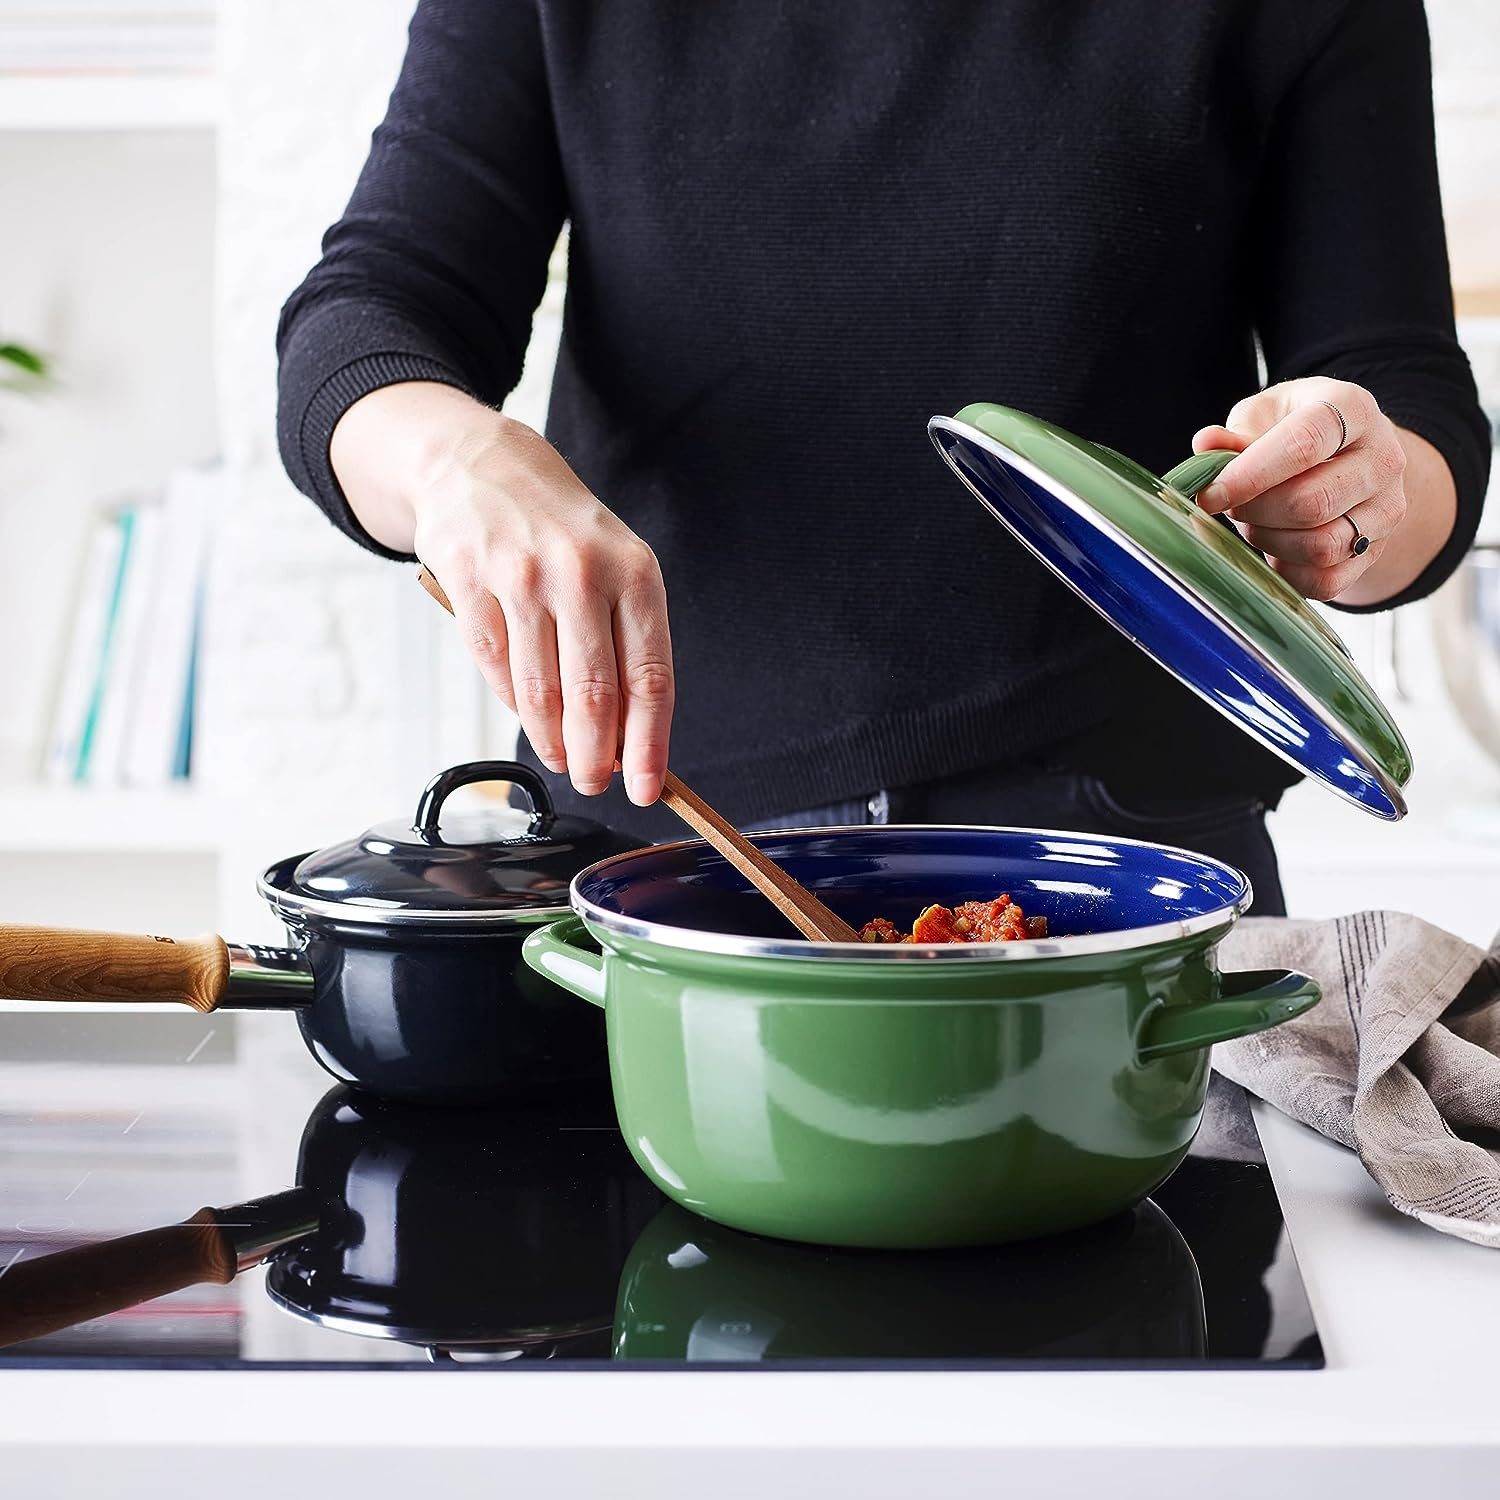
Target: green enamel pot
902, 1096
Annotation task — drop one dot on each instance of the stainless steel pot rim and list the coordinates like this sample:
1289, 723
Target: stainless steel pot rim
736, 946
274, 887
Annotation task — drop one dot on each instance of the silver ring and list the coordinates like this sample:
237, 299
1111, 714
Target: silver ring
1361, 543
1343, 433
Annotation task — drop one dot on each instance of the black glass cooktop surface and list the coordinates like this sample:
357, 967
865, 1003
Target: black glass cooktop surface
450, 1240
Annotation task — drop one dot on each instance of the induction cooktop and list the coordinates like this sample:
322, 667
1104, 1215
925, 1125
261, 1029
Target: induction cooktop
480, 1240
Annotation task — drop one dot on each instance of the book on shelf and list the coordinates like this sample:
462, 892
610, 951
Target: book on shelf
124, 703
162, 697
86, 645
83, 737
104, 743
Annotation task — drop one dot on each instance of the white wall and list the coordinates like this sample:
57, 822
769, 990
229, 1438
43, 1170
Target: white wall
102, 266
299, 703
334, 686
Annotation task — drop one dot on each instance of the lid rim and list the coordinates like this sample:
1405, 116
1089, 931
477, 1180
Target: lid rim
274, 890
1320, 711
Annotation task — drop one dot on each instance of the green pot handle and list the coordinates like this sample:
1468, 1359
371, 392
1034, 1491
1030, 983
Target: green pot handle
1249, 1002
1192, 474
554, 951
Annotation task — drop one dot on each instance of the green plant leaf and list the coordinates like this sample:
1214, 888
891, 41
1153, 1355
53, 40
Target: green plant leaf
23, 359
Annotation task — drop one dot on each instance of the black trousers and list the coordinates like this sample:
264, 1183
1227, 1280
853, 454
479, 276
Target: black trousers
1229, 828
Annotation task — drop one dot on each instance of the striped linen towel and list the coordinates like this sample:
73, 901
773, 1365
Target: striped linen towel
1400, 1062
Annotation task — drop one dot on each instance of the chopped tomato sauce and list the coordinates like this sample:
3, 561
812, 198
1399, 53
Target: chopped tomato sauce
997, 921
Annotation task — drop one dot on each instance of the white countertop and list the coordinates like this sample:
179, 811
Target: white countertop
1409, 1320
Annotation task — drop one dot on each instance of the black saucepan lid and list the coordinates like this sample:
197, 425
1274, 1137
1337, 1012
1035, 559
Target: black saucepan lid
477, 867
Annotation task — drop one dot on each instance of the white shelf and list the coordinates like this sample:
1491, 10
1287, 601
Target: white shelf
148, 102
85, 820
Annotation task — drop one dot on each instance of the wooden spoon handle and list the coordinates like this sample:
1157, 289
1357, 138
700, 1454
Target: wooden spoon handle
62, 963
433, 587
40, 1296
795, 902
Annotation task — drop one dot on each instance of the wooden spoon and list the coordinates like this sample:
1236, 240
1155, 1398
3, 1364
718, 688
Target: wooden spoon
795, 902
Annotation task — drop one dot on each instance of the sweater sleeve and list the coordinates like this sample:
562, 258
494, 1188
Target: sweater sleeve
1352, 262
440, 259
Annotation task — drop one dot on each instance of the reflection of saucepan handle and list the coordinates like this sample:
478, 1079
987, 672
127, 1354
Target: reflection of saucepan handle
41, 1296
64, 963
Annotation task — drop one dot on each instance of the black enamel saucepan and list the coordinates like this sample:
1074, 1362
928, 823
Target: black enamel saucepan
404, 968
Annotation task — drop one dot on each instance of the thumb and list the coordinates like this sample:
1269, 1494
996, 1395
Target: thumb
1208, 438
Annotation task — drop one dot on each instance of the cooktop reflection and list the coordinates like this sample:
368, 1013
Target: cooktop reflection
403, 1237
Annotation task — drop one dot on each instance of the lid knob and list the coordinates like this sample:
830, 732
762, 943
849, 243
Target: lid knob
1194, 473
445, 783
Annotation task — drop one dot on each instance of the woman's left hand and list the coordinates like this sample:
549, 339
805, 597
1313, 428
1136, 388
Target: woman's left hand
1320, 466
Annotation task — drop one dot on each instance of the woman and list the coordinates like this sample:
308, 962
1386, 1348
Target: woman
793, 237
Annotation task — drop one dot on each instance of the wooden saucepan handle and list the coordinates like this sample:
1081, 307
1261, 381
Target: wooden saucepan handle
63, 963
74, 1286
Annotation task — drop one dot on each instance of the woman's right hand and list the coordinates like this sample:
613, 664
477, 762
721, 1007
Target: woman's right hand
562, 606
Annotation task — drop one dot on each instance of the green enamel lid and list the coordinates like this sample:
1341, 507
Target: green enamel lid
1187, 590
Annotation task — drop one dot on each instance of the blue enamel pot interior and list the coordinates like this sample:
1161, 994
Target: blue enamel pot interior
1086, 885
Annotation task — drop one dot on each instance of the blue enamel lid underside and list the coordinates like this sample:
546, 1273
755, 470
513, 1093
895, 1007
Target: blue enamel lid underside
1195, 646
1082, 883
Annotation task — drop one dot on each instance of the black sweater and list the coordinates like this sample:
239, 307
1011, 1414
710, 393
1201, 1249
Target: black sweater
797, 231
